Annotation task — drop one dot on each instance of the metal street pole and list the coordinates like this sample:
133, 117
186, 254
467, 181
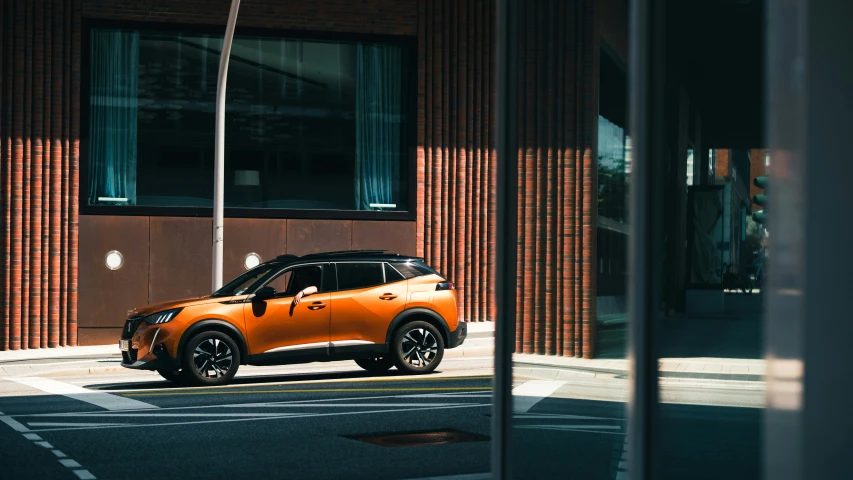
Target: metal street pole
219, 168
506, 105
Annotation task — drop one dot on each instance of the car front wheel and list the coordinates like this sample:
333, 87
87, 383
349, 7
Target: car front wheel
417, 348
210, 358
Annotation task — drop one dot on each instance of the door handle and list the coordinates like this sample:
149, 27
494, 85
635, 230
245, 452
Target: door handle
388, 296
316, 306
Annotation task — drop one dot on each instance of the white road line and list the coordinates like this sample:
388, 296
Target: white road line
622, 469
101, 399
372, 405
572, 427
154, 414
534, 427
288, 416
528, 394
36, 439
258, 404
16, 426
555, 416
68, 424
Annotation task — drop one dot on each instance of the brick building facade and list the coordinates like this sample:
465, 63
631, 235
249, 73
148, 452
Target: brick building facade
57, 291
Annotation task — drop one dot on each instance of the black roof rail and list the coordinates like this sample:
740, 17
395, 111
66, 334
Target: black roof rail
287, 257
346, 252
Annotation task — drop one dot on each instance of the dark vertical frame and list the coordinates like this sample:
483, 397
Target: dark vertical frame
646, 127
506, 238
808, 107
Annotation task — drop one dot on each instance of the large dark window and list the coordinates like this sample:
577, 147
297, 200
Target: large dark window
309, 124
614, 169
359, 275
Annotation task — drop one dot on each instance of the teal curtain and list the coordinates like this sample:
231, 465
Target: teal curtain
378, 126
113, 115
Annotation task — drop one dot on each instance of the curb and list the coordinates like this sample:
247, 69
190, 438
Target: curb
452, 353
74, 371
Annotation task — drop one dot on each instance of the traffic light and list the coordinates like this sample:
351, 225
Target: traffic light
760, 199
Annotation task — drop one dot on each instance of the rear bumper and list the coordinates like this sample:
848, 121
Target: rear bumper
458, 336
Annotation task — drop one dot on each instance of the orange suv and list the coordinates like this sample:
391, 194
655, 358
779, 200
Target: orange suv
376, 308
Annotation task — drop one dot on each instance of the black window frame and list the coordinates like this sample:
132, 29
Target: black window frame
410, 92
337, 276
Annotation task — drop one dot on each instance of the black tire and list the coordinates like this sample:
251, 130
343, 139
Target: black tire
417, 348
375, 365
205, 359
172, 375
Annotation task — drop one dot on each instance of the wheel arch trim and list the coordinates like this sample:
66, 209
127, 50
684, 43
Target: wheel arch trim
431, 316
215, 325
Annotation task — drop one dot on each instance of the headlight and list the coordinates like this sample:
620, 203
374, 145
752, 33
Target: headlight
162, 317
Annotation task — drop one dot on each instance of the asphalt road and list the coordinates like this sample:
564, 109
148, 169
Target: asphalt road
335, 421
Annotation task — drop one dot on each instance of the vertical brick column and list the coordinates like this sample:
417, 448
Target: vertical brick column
558, 105
39, 165
456, 174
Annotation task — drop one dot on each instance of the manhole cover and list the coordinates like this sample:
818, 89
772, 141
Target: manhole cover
419, 439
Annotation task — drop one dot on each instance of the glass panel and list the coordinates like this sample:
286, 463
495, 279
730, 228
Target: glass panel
570, 377
691, 168
412, 269
392, 275
309, 124
303, 278
359, 275
245, 282
281, 282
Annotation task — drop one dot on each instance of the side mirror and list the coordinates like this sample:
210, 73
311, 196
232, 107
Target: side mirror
264, 293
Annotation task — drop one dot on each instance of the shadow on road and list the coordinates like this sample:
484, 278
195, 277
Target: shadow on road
255, 379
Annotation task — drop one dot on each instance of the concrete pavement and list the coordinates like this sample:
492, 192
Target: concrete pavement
480, 342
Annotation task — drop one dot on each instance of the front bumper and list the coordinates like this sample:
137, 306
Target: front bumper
147, 350
458, 336
151, 361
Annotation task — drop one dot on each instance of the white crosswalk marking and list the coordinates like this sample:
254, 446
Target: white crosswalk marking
528, 394
37, 440
101, 399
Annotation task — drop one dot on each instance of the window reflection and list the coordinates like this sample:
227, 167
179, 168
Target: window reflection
309, 124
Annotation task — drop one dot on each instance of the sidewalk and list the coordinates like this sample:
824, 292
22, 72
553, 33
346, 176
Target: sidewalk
480, 343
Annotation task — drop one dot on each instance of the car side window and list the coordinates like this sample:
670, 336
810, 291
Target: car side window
304, 277
281, 282
411, 269
359, 275
292, 281
392, 275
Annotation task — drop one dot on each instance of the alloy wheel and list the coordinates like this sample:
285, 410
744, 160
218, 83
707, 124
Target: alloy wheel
420, 347
212, 358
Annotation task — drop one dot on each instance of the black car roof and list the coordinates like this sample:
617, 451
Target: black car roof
345, 255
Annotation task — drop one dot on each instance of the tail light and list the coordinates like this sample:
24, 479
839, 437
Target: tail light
444, 286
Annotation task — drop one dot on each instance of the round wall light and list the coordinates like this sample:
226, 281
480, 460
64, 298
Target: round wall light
251, 261
114, 260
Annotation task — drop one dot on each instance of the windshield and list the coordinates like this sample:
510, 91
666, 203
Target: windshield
244, 282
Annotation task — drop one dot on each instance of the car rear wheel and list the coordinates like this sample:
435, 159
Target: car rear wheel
210, 358
417, 348
375, 365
